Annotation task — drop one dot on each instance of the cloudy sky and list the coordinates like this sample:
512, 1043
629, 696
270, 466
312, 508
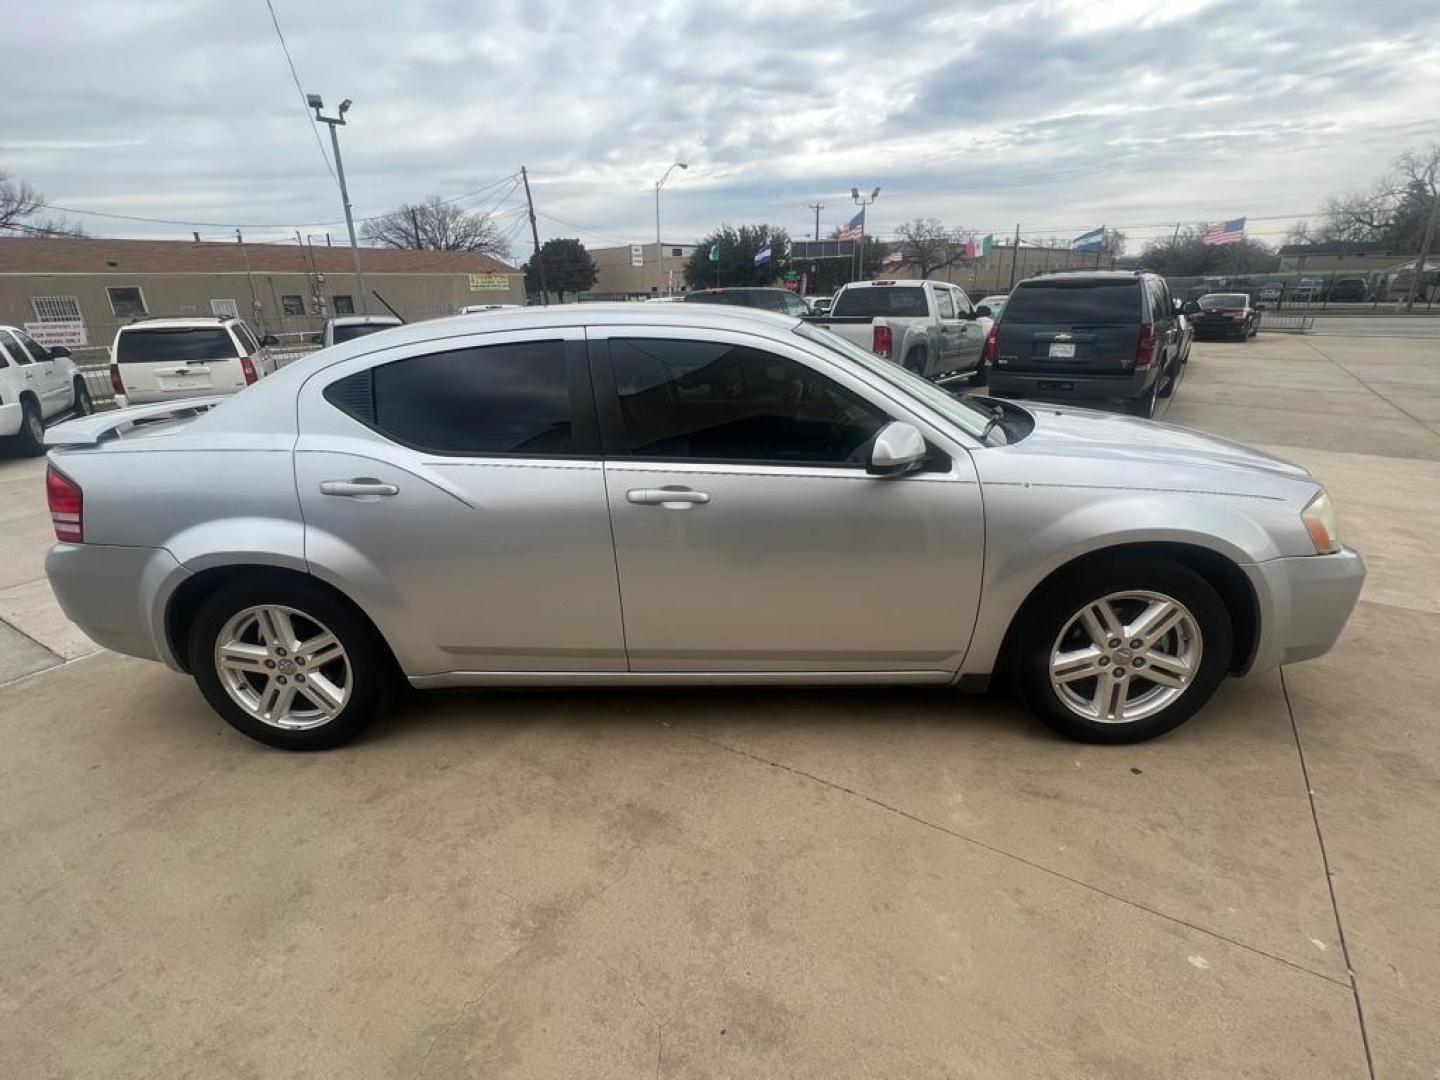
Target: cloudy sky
1060, 116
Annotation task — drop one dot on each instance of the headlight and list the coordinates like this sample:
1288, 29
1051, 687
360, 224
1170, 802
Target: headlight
1319, 518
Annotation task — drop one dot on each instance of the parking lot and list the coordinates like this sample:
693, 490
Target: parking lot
758, 883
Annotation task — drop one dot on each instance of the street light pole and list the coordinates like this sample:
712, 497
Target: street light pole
313, 100
862, 202
1419, 275
659, 256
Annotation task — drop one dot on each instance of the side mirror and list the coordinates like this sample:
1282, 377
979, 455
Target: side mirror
984, 312
269, 339
898, 449
59, 352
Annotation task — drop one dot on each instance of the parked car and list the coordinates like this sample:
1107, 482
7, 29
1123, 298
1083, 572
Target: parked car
1095, 335
820, 305
348, 327
780, 300
164, 359
635, 494
1347, 290
1225, 315
36, 384
995, 304
1186, 332
928, 327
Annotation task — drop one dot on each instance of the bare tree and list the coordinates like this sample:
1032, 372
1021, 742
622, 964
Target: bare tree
434, 225
928, 245
19, 203
1392, 209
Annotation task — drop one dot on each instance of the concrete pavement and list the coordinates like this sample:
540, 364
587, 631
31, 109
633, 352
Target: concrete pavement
738, 883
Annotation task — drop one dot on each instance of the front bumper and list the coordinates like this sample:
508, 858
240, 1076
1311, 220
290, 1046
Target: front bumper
1309, 600
1063, 386
10, 417
113, 594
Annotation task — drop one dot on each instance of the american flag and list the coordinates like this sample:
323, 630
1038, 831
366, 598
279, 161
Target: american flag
852, 229
1227, 232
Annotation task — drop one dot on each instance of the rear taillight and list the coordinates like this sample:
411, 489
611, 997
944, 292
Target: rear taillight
247, 368
115, 383
992, 345
883, 343
66, 506
1145, 351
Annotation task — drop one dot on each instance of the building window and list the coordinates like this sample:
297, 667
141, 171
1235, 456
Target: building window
56, 308
677, 251
226, 309
293, 304
126, 300
344, 305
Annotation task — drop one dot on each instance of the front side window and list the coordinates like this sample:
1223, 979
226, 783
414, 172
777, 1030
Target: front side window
712, 401
945, 303
963, 307
33, 347
14, 348
126, 301
292, 304
493, 399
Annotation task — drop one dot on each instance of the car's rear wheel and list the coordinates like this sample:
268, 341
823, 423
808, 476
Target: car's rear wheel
1144, 405
915, 361
29, 441
1128, 650
289, 664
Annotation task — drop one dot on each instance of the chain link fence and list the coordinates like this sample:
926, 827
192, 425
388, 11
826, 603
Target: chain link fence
1336, 292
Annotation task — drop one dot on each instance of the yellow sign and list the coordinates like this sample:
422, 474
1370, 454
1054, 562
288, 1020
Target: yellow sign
488, 282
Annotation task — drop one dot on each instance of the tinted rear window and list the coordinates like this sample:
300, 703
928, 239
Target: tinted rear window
174, 346
1075, 303
904, 302
351, 332
1223, 300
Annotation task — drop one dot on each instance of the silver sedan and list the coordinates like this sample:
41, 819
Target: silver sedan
676, 493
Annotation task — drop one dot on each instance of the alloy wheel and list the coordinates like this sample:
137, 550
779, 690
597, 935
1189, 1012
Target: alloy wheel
1125, 656
283, 667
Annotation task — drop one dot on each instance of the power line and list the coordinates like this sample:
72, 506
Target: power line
583, 228
294, 75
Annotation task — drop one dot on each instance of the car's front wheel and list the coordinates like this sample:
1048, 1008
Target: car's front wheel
1123, 652
29, 441
289, 664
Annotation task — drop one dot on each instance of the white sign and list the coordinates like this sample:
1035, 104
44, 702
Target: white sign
637, 254
69, 333
488, 282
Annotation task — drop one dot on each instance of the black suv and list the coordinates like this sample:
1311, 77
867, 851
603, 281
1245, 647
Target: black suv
1104, 335
782, 300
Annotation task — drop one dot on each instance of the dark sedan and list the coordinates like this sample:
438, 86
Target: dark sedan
1224, 315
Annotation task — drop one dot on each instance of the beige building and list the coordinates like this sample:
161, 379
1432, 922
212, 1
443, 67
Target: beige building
636, 270
77, 291
996, 271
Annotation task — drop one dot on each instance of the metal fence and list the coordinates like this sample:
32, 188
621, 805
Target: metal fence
1333, 292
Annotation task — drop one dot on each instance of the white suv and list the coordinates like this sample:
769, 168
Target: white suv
165, 359
36, 384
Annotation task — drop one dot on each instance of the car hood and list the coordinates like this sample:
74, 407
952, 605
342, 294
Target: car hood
1098, 449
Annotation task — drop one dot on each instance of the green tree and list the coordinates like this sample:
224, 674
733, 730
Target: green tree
827, 275
568, 268
736, 265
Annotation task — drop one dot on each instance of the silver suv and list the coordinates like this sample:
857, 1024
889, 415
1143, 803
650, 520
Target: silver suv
676, 493
167, 359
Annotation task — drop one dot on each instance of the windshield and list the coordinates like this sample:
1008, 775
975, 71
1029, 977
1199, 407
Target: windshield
965, 414
354, 330
1093, 302
904, 301
172, 346
1223, 300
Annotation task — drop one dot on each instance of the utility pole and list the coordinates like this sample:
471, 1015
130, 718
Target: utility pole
862, 202
254, 300
1014, 254
337, 121
815, 236
659, 250
817, 207
415, 227
1419, 274
535, 235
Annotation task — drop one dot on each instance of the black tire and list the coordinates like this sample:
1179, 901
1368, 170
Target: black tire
1167, 387
1144, 405
1047, 615
372, 671
29, 441
82, 406
915, 361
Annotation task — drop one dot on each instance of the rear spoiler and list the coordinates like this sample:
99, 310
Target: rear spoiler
97, 427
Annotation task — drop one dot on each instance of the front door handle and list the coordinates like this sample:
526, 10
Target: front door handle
673, 498
358, 487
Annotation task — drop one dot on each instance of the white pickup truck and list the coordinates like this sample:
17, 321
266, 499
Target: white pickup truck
928, 327
36, 384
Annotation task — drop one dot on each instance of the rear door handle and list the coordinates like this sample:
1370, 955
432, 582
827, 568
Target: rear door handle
670, 497
358, 487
